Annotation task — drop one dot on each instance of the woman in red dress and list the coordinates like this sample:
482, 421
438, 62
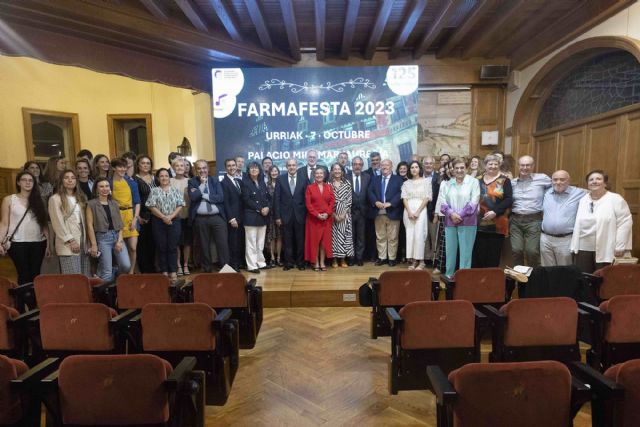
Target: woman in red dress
320, 203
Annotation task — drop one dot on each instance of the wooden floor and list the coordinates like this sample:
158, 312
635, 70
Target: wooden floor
318, 367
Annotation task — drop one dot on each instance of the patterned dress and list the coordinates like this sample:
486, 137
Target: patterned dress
273, 230
342, 232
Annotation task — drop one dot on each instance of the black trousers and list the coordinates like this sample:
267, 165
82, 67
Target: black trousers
166, 238
487, 250
146, 250
27, 258
236, 245
208, 228
358, 223
586, 262
293, 243
370, 249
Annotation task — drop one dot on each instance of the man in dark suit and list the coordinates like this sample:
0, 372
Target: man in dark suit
207, 215
306, 172
384, 197
233, 208
359, 207
428, 166
371, 252
290, 213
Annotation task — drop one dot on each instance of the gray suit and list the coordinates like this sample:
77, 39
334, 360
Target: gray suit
359, 211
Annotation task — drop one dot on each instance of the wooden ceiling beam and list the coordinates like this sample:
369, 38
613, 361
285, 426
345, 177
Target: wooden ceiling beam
506, 13
321, 28
409, 23
228, 20
156, 9
587, 15
192, 13
349, 28
378, 28
258, 21
464, 28
290, 25
115, 25
432, 33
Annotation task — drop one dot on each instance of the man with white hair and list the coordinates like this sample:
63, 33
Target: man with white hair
526, 213
560, 206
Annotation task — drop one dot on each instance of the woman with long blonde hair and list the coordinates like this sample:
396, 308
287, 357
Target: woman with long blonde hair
67, 213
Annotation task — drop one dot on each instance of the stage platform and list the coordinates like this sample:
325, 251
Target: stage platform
336, 287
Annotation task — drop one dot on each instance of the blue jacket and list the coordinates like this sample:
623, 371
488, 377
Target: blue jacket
393, 195
216, 196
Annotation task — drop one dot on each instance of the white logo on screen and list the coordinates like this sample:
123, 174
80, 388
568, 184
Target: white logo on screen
227, 83
402, 79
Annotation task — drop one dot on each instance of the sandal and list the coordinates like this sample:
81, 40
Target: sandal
185, 270
334, 263
316, 268
323, 268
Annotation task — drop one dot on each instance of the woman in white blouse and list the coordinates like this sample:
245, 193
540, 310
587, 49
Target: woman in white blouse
181, 181
416, 193
603, 226
165, 203
66, 210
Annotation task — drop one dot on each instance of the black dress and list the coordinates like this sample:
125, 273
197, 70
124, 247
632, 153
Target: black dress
146, 249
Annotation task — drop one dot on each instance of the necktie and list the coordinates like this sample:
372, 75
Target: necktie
384, 188
206, 191
357, 185
237, 183
312, 170
292, 185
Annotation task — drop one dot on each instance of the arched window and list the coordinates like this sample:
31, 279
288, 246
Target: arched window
604, 83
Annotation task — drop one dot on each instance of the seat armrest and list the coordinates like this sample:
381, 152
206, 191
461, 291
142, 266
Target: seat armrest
136, 318
393, 316
24, 317
448, 281
24, 295
598, 382
492, 312
480, 316
221, 317
592, 279
34, 375
180, 373
442, 388
123, 318
591, 309
581, 393
251, 283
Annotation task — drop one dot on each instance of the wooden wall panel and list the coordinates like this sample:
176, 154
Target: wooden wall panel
487, 114
602, 148
7, 181
546, 154
571, 153
629, 170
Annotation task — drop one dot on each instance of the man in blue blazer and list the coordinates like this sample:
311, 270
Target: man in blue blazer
207, 214
290, 213
386, 207
233, 210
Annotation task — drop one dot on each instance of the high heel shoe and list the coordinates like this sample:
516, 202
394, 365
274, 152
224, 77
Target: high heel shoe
334, 263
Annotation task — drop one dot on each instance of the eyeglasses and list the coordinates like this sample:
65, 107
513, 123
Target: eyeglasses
26, 180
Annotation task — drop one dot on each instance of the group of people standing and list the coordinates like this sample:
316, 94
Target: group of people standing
122, 214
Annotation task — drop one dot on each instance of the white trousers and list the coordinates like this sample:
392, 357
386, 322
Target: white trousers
254, 245
555, 250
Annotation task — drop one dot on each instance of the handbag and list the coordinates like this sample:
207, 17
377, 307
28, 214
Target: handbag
6, 242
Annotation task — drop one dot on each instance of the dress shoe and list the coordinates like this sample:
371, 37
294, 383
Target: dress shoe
380, 262
287, 268
360, 263
256, 271
301, 267
350, 262
392, 263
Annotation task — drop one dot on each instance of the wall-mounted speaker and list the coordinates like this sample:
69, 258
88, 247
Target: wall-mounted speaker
494, 72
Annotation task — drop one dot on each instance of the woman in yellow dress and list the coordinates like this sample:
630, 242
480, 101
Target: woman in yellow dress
125, 193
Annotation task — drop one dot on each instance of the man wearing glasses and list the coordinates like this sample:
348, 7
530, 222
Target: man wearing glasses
526, 215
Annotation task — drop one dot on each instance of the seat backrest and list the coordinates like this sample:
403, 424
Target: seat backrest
11, 409
5, 296
402, 287
114, 389
480, 285
220, 290
523, 394
137, 290
438, 324
540, 321
6, 334
624, 326
627, 374
620, 279
178, 327
62, 288
76, 327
